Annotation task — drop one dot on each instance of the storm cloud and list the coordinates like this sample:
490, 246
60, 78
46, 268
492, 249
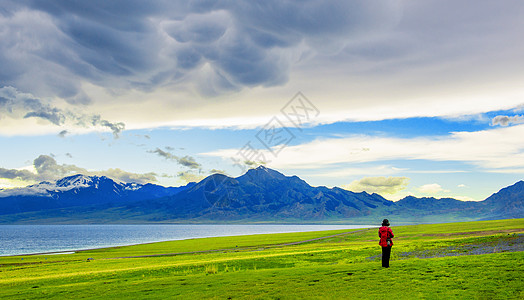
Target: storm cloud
49, 47
111, 54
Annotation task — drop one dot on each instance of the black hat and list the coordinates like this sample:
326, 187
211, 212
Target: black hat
385, 222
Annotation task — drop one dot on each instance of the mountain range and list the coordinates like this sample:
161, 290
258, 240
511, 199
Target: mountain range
260, 195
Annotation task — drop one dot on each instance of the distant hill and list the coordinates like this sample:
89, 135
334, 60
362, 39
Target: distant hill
260, 195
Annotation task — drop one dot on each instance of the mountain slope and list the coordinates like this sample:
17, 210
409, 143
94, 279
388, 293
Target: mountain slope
78, 190
260, 195
264, 194
507, 203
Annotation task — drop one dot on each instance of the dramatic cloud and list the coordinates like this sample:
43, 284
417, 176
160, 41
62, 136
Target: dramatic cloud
145, 45
16, 105
47, 169
379, 185
401, 59
23, 105
507, 120
186, 161
432, 188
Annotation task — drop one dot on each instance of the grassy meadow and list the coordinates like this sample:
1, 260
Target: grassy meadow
472, 260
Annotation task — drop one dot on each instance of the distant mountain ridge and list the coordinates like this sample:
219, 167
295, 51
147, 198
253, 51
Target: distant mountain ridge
259, 195
78, 190
265, 194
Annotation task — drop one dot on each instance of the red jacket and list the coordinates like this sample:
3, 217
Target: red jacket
384, 233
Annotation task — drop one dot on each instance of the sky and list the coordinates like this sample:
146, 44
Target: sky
399, 98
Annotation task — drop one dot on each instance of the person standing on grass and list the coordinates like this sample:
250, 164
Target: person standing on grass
385, 233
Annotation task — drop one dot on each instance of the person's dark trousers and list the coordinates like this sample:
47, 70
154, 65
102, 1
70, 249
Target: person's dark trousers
386, 253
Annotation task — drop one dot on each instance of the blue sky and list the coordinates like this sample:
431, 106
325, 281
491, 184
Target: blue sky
394, 97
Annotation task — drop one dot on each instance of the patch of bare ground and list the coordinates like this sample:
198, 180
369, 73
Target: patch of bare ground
483, 232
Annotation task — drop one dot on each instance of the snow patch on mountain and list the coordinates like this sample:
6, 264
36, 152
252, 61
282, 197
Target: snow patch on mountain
78, 182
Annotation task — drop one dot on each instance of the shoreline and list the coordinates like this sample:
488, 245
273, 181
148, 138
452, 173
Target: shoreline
74, 251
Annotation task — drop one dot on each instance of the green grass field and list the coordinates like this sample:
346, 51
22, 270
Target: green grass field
473, 260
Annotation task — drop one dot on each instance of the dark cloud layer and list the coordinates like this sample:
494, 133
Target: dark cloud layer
49, 47
56, 49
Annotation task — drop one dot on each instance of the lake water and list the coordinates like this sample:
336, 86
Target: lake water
28, 239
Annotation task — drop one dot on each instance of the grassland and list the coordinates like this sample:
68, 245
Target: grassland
483, 260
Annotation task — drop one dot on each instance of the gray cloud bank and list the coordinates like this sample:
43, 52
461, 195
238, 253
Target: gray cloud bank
55, 48
48, 169
49, 47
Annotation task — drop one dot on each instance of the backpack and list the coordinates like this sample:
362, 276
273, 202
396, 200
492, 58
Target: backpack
388, 239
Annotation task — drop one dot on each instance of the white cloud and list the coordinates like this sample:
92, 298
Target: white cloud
499, 149
437, 171
462, 185
11, 183
431, 188
508, 170
345, 172
465, 198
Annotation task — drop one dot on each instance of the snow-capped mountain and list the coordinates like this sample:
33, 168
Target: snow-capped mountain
79, 180
79, 190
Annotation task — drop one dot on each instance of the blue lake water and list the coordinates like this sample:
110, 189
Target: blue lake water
27, 239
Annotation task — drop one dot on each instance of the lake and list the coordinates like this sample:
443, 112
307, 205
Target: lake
29, 239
